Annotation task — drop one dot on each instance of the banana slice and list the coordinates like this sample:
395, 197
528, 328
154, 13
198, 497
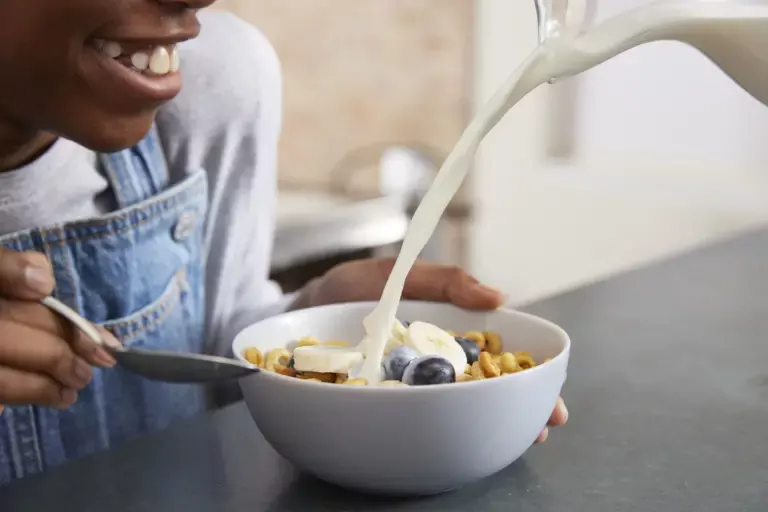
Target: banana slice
324, 359
430, 340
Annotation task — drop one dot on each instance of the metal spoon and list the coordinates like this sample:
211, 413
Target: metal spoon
158, 365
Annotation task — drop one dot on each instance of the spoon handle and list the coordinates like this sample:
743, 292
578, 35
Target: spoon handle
71, 315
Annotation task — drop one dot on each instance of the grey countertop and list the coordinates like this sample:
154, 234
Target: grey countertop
668, 393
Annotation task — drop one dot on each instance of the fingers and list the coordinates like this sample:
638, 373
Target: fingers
440, 283
27, 349
365, 280
44, 359
25, 275
19, 388
91, 352
39, 317
33, 314
559, 415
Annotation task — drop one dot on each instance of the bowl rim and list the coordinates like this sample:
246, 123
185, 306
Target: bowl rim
436, 388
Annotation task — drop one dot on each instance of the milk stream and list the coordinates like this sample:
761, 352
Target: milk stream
732, 34
447, 182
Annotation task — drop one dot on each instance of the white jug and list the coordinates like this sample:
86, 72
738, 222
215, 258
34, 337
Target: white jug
732, 33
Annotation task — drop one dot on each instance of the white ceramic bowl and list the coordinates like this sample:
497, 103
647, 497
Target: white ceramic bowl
405, 440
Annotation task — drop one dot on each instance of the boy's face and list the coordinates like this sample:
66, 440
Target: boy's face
60, 72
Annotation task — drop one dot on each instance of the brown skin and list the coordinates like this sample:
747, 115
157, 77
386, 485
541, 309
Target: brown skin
48, 69
55, 360
54, 84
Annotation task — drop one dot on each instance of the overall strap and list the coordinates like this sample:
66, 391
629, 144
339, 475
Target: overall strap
138, 173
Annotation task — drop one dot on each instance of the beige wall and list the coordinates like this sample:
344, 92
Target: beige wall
365, 72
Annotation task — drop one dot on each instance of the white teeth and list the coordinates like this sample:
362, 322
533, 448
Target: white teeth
160, 62
140, 61
112, 49
175, 60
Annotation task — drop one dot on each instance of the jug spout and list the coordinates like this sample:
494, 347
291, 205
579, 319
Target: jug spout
558, 16
551, 17
733, 34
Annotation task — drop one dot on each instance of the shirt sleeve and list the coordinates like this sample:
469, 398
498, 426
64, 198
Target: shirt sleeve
227, 120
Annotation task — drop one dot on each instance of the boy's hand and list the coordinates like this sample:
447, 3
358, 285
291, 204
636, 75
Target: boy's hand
364, 280
44, 360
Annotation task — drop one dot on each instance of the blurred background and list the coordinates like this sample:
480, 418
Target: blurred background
651, 154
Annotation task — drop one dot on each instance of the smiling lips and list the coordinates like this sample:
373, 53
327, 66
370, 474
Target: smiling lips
157, 60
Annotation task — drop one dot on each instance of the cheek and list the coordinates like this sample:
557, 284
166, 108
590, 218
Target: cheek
37, 73
40, 44
37, 89
39, 37
44, 84
54, 100
42, 90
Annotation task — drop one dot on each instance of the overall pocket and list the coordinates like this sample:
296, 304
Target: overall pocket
134, 404
161, 325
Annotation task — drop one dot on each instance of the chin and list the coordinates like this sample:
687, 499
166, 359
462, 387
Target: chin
113, 134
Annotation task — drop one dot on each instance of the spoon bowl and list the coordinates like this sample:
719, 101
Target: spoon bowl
180, 367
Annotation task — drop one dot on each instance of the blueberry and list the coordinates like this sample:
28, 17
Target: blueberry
396, 361
428, 370
471, 349
291, 363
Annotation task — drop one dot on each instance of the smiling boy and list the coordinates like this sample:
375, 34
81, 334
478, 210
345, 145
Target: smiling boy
147, 207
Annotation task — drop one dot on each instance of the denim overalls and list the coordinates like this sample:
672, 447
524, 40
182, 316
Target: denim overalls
139, 272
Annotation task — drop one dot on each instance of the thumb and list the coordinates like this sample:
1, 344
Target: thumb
25, 275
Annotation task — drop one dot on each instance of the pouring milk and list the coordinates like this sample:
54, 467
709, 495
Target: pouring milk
732, 33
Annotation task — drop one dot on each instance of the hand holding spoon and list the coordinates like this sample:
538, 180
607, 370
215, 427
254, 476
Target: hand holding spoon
158, 365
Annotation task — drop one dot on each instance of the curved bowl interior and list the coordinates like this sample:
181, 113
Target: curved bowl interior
405, 441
